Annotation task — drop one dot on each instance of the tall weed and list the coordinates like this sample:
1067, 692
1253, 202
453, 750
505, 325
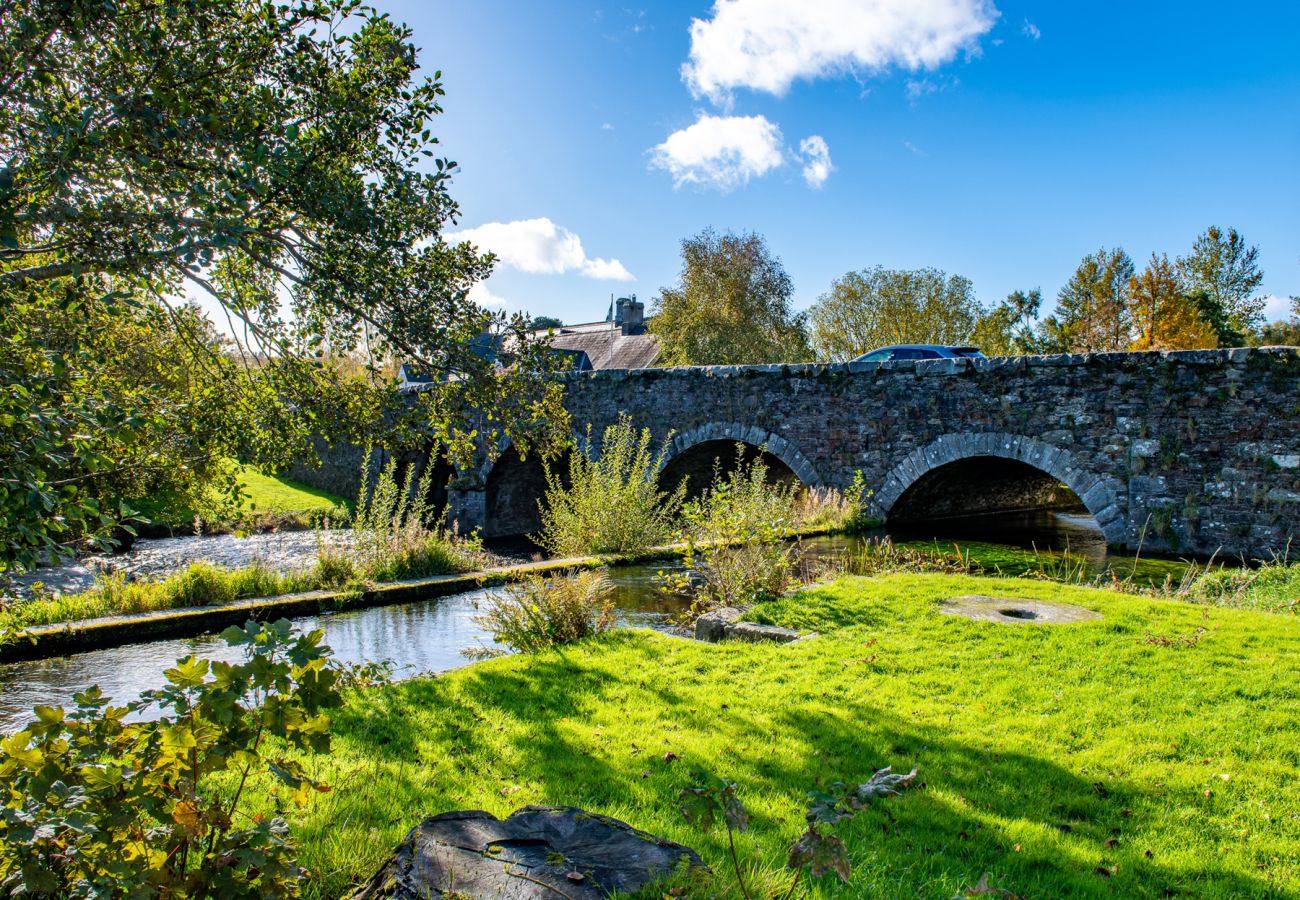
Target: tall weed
738, 540
397, 533
612, 502
539, 612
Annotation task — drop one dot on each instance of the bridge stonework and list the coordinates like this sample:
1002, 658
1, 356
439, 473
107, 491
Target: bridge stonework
1187, 451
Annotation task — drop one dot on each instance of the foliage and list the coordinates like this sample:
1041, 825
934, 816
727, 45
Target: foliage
1165, 318
610, 501
1093, 309
538, 612
99, 418
875, 307
1008, 328
398, 534
711, 798
830, 509
1049, 737
272, 156
541, 323
1226, 269
731, 306
736, 534
94, 805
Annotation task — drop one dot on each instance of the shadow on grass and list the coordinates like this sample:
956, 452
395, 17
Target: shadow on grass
588, 725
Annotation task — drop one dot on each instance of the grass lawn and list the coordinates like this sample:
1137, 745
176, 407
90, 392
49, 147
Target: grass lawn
278, 494
270, 500
1068, 760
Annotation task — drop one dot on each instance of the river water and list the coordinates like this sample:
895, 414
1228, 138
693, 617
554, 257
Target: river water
430, 636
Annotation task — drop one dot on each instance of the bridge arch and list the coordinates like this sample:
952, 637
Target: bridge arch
513, 486
785, 458
989, 457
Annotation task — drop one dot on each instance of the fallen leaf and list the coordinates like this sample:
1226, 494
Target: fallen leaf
670, 756
1016, 848
1125, 813
513, 789
1110, 844
575, 877
1105, 872
1148, 854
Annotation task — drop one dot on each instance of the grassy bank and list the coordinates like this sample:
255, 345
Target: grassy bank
268, 502
1136, 756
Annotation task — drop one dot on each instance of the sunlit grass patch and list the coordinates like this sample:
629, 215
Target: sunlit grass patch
1084, 760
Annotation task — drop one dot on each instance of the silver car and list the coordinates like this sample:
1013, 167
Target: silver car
919, 351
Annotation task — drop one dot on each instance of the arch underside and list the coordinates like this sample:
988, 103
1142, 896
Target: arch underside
966, 474
733, 433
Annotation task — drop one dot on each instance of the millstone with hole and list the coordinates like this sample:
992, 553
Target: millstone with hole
1015, 610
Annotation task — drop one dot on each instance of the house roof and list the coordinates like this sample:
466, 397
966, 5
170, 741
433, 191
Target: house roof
607, 346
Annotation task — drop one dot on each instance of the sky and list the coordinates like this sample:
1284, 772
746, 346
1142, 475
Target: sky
994, 139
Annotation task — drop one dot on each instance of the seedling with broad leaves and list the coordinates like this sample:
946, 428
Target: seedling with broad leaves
819, 852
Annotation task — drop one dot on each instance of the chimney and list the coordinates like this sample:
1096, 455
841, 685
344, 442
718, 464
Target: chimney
630, 315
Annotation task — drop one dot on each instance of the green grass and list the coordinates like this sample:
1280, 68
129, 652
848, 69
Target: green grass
1037, 745
278, 494
269, 501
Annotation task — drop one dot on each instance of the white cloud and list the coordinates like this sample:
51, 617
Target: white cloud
480, 294
1031, 31
539, 246
1277, 309
721, 152
766, 45
817, 167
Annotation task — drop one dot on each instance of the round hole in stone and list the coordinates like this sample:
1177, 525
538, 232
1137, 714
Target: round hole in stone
1014, 613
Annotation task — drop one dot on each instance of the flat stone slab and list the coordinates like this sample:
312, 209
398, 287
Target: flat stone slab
755, 633
1016, 610
538, 853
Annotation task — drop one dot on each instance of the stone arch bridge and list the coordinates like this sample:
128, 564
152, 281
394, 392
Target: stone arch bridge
1186, 451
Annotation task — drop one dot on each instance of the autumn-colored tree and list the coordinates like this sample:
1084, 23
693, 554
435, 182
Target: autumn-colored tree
731, 306
876, 307
1092, 310
1163, 316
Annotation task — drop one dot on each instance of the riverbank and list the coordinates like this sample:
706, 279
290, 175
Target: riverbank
84, 635
1142, 755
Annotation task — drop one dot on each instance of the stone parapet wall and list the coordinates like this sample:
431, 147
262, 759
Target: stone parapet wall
1194, 451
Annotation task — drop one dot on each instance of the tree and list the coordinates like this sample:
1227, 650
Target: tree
1092, 310
1165, 318
731, 306
273, 156
878, 306
1008, 328
1226, 269
541, 323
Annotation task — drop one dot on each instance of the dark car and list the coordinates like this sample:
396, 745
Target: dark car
919, 351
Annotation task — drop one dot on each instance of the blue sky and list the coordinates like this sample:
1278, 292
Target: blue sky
997, 140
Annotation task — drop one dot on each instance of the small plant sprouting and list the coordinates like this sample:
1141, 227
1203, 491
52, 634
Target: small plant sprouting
711, 798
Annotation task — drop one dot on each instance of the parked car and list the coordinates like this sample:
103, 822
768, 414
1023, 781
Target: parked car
919, 351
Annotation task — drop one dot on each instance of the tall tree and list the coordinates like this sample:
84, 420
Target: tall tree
1165, 318
274, 156
878, 306
1226, 269
730, 306
1092, 310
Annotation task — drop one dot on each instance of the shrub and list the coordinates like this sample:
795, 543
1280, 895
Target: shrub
539, 612
94, 806
612, 502
398, 534
738, 547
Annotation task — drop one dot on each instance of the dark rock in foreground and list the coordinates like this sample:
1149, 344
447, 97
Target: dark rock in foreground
538, 852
